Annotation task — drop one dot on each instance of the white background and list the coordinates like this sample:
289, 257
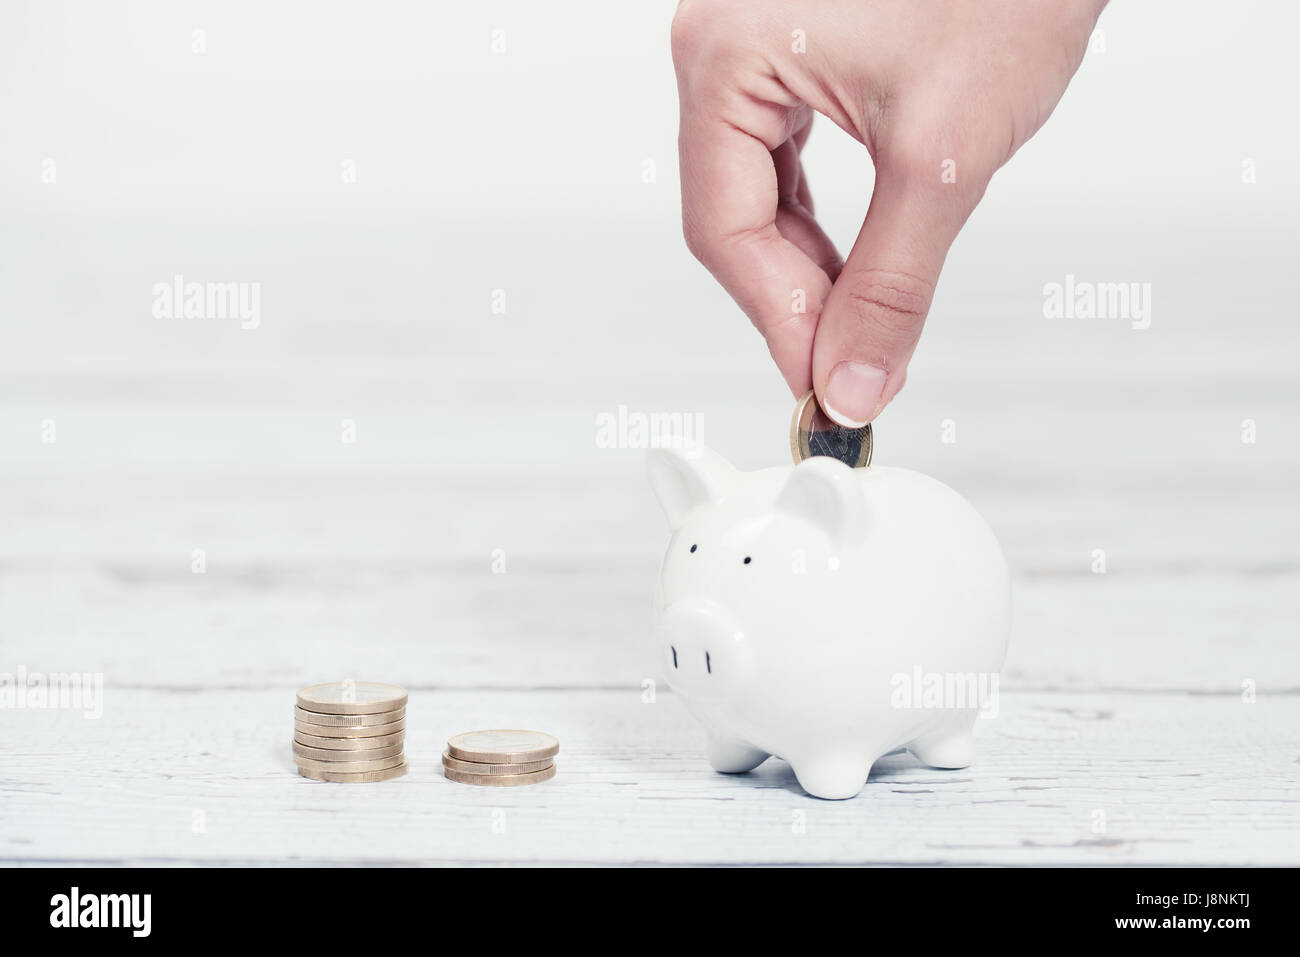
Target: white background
476, 432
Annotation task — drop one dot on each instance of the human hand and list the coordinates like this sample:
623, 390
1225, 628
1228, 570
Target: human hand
941, 93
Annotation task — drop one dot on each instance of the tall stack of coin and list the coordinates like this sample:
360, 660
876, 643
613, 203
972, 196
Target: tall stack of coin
500, 758
350, 731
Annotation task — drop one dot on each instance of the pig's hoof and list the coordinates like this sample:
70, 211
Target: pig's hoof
945, 749
835, 779
733, 757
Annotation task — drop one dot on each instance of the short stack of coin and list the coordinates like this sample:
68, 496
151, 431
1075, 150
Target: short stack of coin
350, 731
500, 758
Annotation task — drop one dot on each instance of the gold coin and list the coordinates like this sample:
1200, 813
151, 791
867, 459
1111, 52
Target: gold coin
348, 767
352, 697
475, 767
348, 720
328, 731
813, 433
348, 744
502, 747
501, 780
325, 754
354, 777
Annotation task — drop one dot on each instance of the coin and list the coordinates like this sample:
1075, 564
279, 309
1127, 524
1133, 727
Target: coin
502, 747
501, 780
326, 754
327, 731
354, 777
352, 697
348, 744
475, 767
348, 720
813, 433
348, 767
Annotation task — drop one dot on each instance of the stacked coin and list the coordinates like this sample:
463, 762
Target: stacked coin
350, 731
500, 758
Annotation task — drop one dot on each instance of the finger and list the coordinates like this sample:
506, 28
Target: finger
794, 218
804, 193
874, 314
730, 200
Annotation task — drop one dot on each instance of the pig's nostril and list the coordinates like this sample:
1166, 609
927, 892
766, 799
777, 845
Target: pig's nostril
674, 656
708, 663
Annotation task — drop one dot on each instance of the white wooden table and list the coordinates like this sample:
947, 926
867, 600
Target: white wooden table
1150, 714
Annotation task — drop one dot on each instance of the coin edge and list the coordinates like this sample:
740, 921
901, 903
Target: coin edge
497, 780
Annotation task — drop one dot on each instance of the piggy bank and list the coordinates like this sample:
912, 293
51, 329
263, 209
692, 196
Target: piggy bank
827, 615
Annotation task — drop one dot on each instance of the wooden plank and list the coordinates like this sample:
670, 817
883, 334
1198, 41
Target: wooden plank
1060, 778
551, 624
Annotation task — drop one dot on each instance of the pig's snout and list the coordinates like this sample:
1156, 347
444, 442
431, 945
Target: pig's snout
703, 649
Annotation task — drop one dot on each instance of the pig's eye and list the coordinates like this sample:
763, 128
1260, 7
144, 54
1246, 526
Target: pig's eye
693, 547
748, 559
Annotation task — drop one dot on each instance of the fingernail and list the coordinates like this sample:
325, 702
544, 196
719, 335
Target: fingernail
853, 393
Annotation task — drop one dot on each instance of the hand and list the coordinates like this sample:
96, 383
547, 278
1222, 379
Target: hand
941, 93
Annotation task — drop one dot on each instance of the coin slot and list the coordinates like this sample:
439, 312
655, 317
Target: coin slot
674, 657
708, 663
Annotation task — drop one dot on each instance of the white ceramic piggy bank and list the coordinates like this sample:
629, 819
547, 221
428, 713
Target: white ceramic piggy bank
827, 615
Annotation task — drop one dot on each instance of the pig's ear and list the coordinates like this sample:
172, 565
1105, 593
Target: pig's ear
826, 493
687, 477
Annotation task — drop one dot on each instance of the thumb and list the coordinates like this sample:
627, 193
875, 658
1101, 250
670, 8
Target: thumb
874, 313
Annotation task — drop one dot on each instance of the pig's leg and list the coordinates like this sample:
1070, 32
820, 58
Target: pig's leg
950, 746
731, 756
834, 775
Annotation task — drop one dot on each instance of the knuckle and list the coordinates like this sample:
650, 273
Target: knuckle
890, 306
690, 30
794, 327
700, 28
697, 240
712, 246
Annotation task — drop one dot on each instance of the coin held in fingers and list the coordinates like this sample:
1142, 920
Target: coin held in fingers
812, 432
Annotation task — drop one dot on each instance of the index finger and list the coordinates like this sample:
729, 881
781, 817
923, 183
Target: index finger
730, 199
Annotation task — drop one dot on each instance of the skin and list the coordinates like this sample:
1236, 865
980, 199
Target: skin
940, 92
